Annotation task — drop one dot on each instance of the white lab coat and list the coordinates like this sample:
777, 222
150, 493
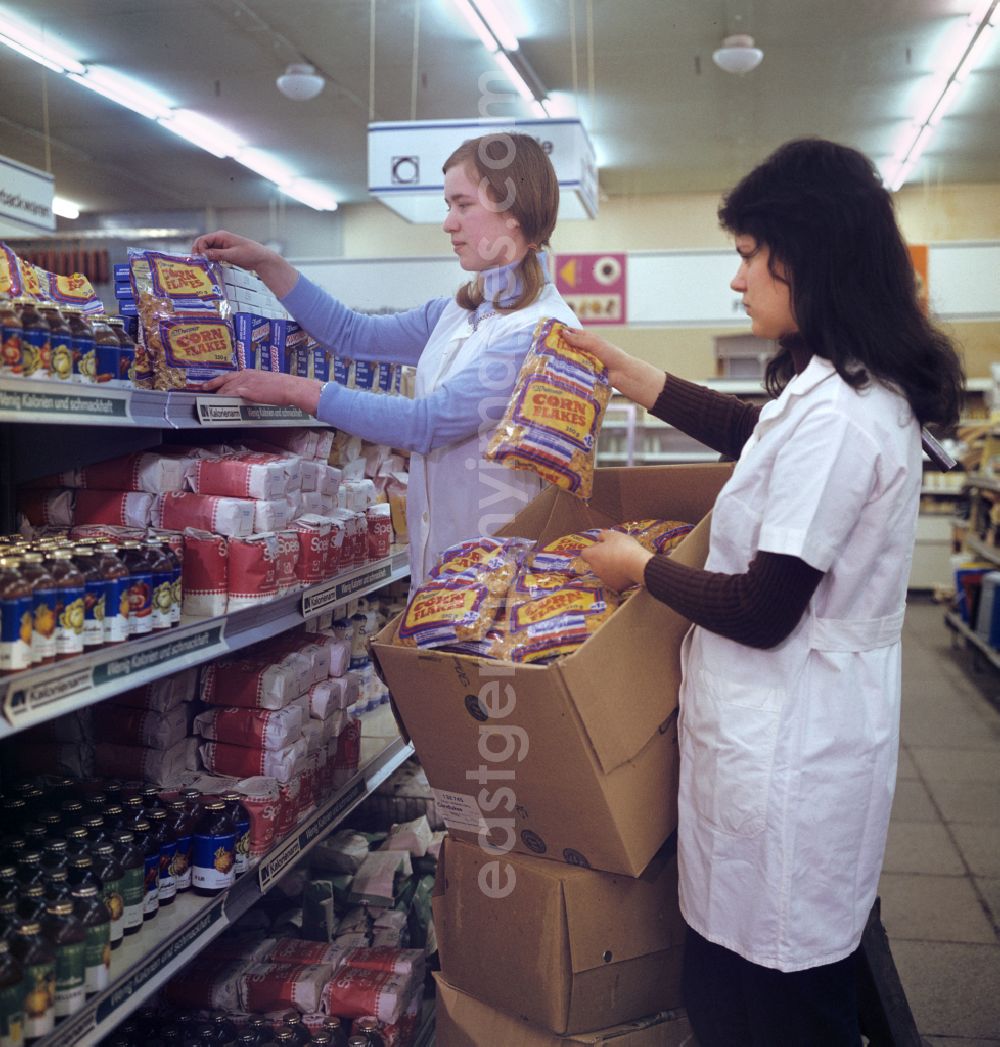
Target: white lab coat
788, 755
453, 492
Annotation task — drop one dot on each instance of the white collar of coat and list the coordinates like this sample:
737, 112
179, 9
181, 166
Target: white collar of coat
817, 371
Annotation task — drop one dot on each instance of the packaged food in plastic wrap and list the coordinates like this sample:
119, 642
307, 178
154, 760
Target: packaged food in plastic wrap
380, 878
246, 474
180, 510
341, 852
156, 730
354, 992
206, 574
185, 318
540, 628
446, 611
314, 547
161, 695
658, 536
286, 561
121, 508
327, 696
495, 561
254, 728
10, 273
261, 796
344, 448
562, 555
253, 683
277, 986
554, 417
379, 530
149, 471
241, 762
298, 953
163, 767
382, 958
252, 575
47, 508
414, 836
348, 752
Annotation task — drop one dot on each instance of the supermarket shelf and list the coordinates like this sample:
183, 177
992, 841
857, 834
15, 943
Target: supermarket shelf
981, 482
72, 403
656, 457
36, 695
954, 622
145, 962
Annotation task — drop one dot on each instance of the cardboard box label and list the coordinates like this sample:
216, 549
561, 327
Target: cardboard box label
459, 811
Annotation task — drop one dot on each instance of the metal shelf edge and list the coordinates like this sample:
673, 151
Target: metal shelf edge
209, 919
954, 621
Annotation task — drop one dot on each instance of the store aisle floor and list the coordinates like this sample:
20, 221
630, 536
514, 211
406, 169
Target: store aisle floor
940, 885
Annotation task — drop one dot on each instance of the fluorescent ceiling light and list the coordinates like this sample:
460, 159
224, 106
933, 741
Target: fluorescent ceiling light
264, 164
497, 24
518, 81
202, 132
964, 49
477, 25
124, 91
312, 194
29, 42
65, 208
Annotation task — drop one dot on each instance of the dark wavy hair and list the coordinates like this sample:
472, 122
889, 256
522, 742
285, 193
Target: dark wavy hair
518, 177
824, 215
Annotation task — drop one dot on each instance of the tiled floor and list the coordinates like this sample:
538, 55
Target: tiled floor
940, 884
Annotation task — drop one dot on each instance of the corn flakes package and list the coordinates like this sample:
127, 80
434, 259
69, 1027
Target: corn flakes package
543, 627
10, 273
31, 285
185, 318
446, 611
555, 413
658, 536
494, 561
75, 289
562, 555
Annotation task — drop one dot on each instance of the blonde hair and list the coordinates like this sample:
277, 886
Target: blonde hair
516, 174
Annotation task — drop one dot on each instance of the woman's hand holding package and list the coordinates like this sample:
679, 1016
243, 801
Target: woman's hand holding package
269, 387
617, 559
638, 380
222, 246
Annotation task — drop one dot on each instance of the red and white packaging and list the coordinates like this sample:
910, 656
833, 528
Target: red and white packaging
314, 546
246, 475
277, 986
383, 958
161, 695
238, 761
252, 728
345, 764
251, 683
262, 800
205, 986
288, 806
379, 530
299, 952
155, 730
354, 992
119, 508
253, 576
286, 561
205, 574
154, 472
233, 517
354, 551
163, 767
327, 696
274, 515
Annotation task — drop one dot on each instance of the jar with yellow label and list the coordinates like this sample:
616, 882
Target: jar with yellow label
82, 343
11, 351
105, 352
60, 347
36, 346
70, 613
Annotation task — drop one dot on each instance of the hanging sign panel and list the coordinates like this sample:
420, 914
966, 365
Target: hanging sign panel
26, 196
594, 286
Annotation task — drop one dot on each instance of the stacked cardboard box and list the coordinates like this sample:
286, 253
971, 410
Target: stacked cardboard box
556, 906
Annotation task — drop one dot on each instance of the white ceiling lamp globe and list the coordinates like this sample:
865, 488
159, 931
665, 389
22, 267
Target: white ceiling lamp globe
738, 54
300, 83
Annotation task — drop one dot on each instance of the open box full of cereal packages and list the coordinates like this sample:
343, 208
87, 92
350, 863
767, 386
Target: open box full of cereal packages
575, 759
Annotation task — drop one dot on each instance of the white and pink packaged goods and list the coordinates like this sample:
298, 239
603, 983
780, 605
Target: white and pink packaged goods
253, 575
261, 797
253, 728
206, 574
238, 761
379, 530
265, 987
286, 561
123, 508
245, 475
233, 517
314, 548
256, 683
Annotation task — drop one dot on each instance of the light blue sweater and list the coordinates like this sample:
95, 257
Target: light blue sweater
451, 412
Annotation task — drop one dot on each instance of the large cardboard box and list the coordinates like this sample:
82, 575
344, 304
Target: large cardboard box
564, 948
461, 1020
575, 760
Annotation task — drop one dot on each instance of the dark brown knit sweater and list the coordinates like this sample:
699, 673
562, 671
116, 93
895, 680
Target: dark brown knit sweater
761, 607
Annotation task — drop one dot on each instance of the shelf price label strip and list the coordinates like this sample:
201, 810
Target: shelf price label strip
321, 599
230, 410
63, 404
38, 698
160, 965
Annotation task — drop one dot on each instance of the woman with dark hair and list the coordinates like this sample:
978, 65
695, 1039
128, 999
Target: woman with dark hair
502, 198
789, 708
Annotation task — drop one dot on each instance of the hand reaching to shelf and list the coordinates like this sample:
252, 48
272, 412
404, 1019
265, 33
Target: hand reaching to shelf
223, 246
269, 387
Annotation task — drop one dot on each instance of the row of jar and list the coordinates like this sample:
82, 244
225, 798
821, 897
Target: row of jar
57, 601
43, 341
77, 878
